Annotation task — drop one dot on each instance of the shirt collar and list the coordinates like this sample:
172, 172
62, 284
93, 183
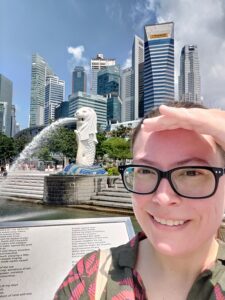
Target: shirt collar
126, 255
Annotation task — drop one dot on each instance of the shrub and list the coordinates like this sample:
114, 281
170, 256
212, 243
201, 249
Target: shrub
113, 171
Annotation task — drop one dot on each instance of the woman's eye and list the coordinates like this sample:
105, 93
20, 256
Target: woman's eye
192, 173
144, 171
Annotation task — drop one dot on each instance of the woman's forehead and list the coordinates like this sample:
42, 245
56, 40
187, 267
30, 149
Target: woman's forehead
177, 143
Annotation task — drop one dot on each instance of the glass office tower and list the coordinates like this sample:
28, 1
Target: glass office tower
158, 65
79, 80
109, 86
98, 64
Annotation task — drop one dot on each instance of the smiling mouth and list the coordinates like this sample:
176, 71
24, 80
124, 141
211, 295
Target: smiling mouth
169, 222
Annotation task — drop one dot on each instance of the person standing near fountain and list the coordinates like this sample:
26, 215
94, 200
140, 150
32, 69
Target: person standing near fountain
3, 171
178, 186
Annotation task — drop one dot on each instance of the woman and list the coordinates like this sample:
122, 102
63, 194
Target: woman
178, 185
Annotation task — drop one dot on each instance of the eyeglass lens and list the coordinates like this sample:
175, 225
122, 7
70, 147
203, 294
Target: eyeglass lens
186, 181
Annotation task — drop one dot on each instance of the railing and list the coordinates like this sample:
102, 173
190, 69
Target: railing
104, 182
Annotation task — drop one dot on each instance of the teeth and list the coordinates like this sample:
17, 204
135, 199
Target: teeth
169, 222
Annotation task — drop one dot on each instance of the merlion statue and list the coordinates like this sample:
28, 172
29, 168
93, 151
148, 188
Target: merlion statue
86, 120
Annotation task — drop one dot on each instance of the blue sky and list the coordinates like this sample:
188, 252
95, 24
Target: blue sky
50, 27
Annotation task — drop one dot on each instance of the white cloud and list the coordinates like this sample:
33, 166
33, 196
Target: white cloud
76, 52
114, 10
142, 13
199, 22
78, 59
128, 61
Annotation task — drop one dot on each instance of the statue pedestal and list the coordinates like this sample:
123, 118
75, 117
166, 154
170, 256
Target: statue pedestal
73, 169
71, 189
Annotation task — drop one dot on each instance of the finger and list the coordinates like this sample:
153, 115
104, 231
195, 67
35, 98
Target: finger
183, 117
175, 112
172, 118
159, 123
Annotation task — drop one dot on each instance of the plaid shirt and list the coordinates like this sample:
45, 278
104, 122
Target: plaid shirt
124, 283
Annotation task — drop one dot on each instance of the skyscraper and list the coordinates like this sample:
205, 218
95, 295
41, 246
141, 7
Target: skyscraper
13, 121
98, 64
158, 65
39, 71
127, 94
54, 96
109, 81
137, 65
17, 128
109, 86
2, 117
79, 80
189, 79
6, 91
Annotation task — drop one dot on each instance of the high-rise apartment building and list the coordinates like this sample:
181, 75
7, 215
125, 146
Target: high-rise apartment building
127, 94
6, 91
54, 96
39, 72
138, 85
109, 86
189, 79
97, 102
158, 65
98, 64
79, 80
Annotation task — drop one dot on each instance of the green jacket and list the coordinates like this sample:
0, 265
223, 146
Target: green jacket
124, 283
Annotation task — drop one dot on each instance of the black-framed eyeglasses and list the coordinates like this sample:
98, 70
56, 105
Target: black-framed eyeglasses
195, 182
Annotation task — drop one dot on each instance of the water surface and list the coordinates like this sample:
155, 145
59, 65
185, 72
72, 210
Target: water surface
11, 211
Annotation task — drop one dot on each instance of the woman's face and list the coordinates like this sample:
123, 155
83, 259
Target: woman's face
175, 225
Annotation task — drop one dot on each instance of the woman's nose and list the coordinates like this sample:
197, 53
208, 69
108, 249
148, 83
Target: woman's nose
165, 195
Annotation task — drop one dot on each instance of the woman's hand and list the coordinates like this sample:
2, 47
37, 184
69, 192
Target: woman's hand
202, 121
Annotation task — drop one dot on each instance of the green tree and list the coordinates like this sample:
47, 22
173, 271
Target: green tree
7, 149
117, 148
44, 154
63, 142
20, 143
121, 131
100, 151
